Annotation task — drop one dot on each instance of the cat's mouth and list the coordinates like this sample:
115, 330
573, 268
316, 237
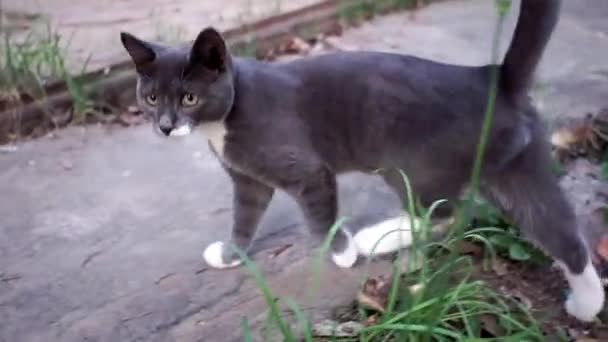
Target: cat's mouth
179, 131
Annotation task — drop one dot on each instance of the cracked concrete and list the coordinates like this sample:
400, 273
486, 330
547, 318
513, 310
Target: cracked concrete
109, 248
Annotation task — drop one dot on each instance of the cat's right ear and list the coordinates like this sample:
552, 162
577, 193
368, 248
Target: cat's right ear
209, 50
141, 52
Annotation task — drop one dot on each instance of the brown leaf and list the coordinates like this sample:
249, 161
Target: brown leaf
490, 324
602, 247
374, 294
278, 251
468, 247
133, 110
296, 45
500, 266
371, 320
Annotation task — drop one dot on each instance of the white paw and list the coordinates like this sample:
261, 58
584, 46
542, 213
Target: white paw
181, 131
213, 256
384, 237
347, 258
587, 297
583, 310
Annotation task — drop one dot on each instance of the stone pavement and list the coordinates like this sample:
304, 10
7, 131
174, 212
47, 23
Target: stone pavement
102, 229
90, 28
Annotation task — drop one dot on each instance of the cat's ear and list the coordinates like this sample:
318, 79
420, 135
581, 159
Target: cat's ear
141, 52
209, 50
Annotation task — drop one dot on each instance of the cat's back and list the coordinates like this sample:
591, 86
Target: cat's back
363, 64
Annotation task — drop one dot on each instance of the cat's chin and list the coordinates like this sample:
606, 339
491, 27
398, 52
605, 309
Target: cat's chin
181, 131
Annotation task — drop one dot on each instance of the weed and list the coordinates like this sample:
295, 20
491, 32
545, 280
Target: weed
28, 64
169, 34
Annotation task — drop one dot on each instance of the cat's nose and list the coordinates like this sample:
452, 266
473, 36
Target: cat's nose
165, 129
165, 125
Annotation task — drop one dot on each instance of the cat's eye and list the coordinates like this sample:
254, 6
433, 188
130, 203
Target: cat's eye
189, 100
151, 100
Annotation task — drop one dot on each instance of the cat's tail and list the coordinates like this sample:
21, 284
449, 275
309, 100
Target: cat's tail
535, 24
391, 235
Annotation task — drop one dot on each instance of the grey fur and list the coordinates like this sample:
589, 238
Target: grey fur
295, 126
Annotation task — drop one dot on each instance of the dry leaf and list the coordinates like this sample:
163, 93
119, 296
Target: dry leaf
500, 266
371, 320
297, 45
468, 247
490, 324
602, 247
133, 110
517, 295
329, 328
374, 294
278, 251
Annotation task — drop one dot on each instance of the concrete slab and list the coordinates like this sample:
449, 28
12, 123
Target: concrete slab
572, 77
103, 232
102, 229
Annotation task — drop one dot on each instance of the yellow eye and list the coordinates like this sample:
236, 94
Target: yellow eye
151, 99
189, 100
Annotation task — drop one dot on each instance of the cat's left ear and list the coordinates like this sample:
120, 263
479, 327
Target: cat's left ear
209, 51
141, 52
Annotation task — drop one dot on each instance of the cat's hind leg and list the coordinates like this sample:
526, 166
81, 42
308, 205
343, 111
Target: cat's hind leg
316, 193
251, 198
530, 196
395, 233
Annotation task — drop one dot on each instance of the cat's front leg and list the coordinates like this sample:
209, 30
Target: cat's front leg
316, 193
251, 198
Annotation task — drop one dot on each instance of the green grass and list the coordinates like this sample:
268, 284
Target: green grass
449, 306
358, 10
29, 63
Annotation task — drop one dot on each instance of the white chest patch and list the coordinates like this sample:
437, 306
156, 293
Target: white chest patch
215, 132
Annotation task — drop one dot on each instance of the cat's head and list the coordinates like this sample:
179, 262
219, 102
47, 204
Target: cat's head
181, 87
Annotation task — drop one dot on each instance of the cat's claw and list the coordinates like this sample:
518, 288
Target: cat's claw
213, 256
348, 257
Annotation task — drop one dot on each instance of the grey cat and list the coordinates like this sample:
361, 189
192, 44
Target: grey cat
295, 126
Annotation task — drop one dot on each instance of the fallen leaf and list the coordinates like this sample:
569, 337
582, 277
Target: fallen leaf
133, 110
602, 247
371, 320
329, 328
499, 266
278, 251
374, 294
520, 297
468, 247
490, 324
297, 45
